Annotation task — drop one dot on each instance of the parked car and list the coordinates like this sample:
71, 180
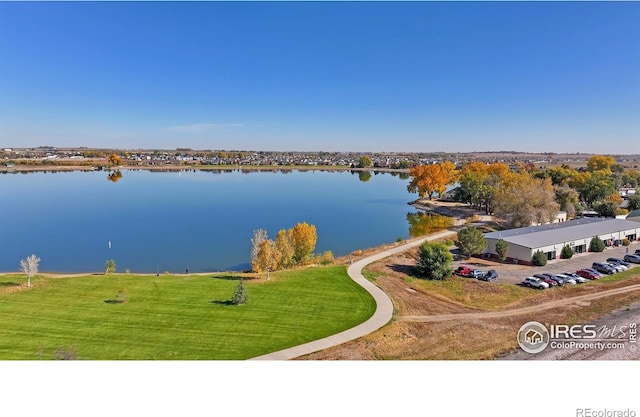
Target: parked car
475, 273
549, 281
619, 262
462, 270
567, 279
597, 273
617, 267
557, 279
575, 276
637, 252
534, 282
489, 276
604, 268
632, 258
584, 273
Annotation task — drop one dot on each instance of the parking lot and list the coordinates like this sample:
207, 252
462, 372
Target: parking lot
515, 274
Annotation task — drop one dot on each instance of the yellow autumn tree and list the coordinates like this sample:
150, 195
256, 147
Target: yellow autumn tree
284, 250
303, 239
114, 160
600, 163
266, 260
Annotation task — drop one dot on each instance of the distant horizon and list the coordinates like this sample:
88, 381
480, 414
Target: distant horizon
373, 76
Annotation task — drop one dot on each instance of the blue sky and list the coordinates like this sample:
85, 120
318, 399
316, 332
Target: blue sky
333, 76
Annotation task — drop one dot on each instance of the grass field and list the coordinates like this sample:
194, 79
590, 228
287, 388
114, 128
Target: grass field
175, 317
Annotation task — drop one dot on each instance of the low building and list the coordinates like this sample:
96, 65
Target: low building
551, 238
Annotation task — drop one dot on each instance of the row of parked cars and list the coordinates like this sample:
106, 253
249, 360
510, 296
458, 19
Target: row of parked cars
597, 270
465, 271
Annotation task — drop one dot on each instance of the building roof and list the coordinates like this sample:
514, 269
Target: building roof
551, 234
634, 213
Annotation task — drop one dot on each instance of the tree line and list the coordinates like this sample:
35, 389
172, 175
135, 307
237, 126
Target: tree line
528, 195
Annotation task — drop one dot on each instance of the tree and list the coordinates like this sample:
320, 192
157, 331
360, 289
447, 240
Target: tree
605, 208
634, 202
303, 239
471, 241
502, 247
566, 252
240, 295
430, 179
114, 160
365, 161
29, 266
592, 187
110, 266
568, 200
434, 261
596, 244
600, 163
267, 258
524, 200
539, 258
258, 236
283, 250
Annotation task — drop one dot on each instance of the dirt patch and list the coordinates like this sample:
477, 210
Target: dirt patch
471, 336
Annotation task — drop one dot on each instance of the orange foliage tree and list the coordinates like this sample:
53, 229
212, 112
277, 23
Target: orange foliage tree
303, 238
430, 179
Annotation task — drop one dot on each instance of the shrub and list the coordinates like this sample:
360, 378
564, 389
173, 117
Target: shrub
470, 241
502, 247
434, 262
326, 258
539, 258
596, 245
625, 242
566, 253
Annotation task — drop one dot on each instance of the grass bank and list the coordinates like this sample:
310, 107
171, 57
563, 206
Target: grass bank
175, 317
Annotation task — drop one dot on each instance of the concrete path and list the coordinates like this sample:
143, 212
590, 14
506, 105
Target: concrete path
382, 315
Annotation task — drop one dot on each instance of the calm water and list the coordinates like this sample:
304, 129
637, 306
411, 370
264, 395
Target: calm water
168, 221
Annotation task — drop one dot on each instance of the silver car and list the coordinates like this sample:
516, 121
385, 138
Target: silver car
567, 279
576, 277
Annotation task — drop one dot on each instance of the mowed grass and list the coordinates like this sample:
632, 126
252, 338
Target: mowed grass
175, 317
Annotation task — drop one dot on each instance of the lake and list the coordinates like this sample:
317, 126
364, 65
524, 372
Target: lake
204, 220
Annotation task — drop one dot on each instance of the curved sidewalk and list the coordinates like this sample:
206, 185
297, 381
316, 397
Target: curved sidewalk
382, 315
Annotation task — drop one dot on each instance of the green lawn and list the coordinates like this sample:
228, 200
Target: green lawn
175, 317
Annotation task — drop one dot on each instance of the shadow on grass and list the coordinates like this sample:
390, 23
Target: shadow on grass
222, 302
9, 284
403, 269
114, 301
234, 277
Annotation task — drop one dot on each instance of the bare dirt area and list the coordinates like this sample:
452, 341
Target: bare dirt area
469, 319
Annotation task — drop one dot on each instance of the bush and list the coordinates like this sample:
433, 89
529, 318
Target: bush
625, 242
539, 258
434, 262
596, 245
470, 241
566, 253
325, 259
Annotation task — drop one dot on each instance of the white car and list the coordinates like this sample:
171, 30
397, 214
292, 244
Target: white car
616, 266
575, 277
534, 282
567, 279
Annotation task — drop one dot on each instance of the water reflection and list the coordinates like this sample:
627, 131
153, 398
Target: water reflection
114, 176
364, 176
421, 223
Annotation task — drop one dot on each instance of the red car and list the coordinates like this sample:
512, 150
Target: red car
587, 274
463, 271
544, 278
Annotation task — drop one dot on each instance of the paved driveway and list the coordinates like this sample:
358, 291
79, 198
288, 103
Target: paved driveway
516, 273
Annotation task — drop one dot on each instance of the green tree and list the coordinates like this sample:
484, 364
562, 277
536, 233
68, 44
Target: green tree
566, 252
502, 247
241, 295
596, 244
110, 267
365, 161
471, 241
634, 202
434, 261
605, 208
539, 258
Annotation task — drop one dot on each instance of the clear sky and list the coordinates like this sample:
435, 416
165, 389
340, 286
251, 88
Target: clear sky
333, 76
